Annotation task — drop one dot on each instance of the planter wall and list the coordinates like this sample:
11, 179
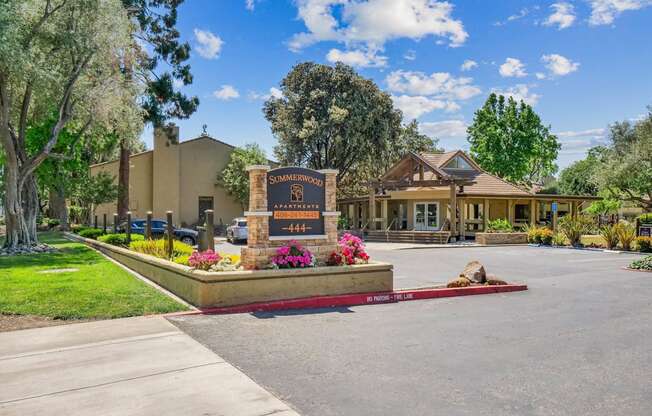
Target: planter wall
501, 238
214, 289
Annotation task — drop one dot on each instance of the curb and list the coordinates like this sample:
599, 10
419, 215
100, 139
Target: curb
358, 299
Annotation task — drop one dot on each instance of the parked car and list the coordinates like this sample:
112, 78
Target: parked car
237, 231
185, 235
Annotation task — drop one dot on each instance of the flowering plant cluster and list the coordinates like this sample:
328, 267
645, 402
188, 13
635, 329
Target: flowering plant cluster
352, 251
203, 260
292, 256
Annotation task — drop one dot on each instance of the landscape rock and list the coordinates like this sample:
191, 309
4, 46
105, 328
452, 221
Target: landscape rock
459, 282
475, 272
493, 280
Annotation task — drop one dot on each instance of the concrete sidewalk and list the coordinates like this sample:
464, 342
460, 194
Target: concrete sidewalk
135, 366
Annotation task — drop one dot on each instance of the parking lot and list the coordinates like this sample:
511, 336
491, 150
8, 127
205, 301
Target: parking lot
577, 342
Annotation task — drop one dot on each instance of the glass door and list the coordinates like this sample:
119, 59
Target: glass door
425, 216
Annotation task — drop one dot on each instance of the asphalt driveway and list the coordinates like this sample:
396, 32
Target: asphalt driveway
576, 343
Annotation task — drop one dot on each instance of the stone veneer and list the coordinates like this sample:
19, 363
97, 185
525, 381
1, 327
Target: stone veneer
259, 247
501, 238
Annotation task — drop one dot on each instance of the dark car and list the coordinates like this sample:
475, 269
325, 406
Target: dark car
185, 235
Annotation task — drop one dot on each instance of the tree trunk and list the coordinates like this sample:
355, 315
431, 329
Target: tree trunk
58, 207
123, 180
18, 233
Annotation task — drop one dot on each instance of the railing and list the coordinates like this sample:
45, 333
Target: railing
390, 225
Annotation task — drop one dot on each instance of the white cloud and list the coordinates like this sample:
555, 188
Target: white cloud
410, 55
540, 75
559, 65
603, 12
577, 142
512, 68
357, 58
226, 92
594, 133
209, 45
521, 14
520, 92
250, 5
438, 84
273, 92
416, 106
444, 129
563, 16
468, 65
373, 22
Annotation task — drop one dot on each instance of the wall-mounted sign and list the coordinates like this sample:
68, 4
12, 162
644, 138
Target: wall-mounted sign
645, 231
296, 198
554, 207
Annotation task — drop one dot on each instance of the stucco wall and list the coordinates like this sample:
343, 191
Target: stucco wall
140, 185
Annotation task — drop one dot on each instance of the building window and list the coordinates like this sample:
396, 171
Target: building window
458, 163
205, 202
521, 213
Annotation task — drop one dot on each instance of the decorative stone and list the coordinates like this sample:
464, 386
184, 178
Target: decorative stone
493, 280
459, 282
475, 272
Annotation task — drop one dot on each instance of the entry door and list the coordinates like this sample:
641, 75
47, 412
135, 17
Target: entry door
425, 216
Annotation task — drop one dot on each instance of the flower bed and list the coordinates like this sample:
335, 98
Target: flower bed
644, 264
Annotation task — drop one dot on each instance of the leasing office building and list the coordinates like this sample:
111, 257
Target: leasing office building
431, 197
176, 176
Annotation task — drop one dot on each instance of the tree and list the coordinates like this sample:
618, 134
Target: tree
508, 139
625, 169
330, 117
155, 26
67, 54
235, 178
580, 177
95, 190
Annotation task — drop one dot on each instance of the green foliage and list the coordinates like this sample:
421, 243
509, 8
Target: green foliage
610, 235
644, 244
91, 233
643, 264
119, 239
559, 239
158, 248
342, 223
645, 218
93, 287
182, 260
603, 207
626, 233
234, 177
77, 228
499, 226
579, 178
331, 117
574, 227
508, 139
50, 222
625, 170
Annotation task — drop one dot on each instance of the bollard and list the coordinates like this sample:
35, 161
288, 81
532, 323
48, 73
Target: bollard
210, 230
148, 226
104, 222
170, 235
128, 228
95, 223
115, 223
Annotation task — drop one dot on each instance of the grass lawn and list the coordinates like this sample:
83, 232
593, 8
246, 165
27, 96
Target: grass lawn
92, 288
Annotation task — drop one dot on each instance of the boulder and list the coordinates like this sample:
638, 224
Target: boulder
493, 280
459, 282
475, 272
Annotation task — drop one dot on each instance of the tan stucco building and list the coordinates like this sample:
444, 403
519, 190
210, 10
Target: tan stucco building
176, 176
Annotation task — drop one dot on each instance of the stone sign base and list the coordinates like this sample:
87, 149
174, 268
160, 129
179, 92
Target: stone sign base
500, 238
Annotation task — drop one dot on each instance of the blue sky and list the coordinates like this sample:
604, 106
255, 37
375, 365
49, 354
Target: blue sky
583, 64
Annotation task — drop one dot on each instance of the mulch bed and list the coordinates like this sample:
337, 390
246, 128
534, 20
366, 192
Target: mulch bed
16, 322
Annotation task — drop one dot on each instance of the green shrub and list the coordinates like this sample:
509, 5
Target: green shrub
182, 260
539, 235
50, 222
546, 236
92, 233
574, 227
119, 239
643, 264
645, 218
610, 235
644, 244
626, 233
157, 248
499, 225
76, 228
559, 239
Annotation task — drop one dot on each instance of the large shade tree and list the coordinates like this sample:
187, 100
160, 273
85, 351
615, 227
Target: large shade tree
331, 117
67, 58
580, 177
234, 178
508, 139
625, 170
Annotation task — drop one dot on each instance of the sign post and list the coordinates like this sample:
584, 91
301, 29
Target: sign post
287, 204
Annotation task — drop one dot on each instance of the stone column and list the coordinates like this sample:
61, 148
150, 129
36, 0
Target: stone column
257, 219
330, 212
384, 214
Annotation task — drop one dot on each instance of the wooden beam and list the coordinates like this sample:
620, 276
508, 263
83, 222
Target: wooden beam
372, 208
534, 212
461, 205
485, 215
453, 208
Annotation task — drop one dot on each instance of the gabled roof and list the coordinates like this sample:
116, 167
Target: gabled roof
419, 158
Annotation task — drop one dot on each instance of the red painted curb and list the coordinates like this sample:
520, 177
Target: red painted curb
356, 299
